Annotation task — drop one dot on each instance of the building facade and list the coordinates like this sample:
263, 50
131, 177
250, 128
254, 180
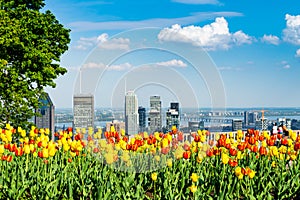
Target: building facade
261, 124
142, 119
173, 116
155, 118
237, 124
131, 113
45, 117
83, 109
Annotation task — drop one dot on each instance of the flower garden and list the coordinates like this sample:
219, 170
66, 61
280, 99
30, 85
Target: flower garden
82, 165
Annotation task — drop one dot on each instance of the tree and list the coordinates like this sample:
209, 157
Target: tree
31, 43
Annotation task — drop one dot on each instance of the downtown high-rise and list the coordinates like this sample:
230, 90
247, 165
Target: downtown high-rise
172, 116
83, 108
131, 113
155, 118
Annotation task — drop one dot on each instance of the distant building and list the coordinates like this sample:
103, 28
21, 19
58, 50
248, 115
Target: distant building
253, 117
45, 118
246, 118
131, 113
118, 125
142, 119
237, 124
261, 124
83, 108
250, 118
195, 126
172, 116
285, 122
155, 118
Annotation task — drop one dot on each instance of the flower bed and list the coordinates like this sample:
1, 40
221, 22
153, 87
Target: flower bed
255, 165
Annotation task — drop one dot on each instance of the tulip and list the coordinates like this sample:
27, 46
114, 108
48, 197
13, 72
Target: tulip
225, 158
169, 162
186, 155
193, 188
154, 176
194, 177
2, 149
251, 174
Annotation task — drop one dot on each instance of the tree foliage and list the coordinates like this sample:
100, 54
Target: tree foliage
31, 43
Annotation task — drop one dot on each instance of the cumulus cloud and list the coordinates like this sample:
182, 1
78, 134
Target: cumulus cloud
197, 1
298, 53
270, 39
172, 63
119, 67
103, 42
211, 36
291, 33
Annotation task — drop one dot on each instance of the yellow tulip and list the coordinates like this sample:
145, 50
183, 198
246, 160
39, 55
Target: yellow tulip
240, 176
193, 188
169, 162
52, 152
73, 154
2, 149
225, 158
45, 153
26, 149
238, 171
154, 176
194, 177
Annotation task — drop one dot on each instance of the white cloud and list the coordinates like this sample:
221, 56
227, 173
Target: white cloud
92, 65
291, 33
270, 39
197, 1
286, 66
172, 63
119, 67
154, 22
298, 53
211, 36
115, 43
229, 68
103, 42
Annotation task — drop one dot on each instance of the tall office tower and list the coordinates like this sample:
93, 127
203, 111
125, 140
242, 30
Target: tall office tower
83, 109
155, 119
142, 119
45, 118
131, 114
246, 118
172, 116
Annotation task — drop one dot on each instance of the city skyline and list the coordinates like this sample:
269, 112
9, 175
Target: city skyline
251, 48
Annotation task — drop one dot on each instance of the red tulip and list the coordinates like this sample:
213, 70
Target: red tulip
186, 154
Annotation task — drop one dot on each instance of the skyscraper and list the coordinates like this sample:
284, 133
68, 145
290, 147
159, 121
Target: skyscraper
172, 116
45, 118
83, 108
131, 114
142, 119
155, 119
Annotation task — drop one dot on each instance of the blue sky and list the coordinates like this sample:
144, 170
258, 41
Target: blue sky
204, 53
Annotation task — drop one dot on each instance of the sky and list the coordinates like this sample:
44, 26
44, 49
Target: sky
200, 53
